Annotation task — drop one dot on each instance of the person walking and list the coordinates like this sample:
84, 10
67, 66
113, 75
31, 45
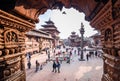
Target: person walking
29, 56
75, 52
68, 59
41, 67
54, 51
54, 67
96, 54
58, 66
37, 66
87, 56
48, 52
29, 64
70, 53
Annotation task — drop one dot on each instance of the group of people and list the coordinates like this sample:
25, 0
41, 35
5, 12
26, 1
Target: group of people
92, 54
57, 63
56, 66
38, 66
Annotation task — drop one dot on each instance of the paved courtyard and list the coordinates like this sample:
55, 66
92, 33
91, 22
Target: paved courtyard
75, 71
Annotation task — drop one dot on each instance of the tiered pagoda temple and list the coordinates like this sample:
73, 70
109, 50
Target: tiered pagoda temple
50, 28
74, 39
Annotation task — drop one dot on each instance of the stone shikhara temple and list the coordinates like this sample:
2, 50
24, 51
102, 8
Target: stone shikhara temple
20, 16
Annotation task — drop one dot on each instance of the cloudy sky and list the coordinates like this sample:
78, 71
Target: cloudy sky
66, 23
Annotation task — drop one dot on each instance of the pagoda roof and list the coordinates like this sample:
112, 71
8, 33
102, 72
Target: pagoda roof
51, 29
49, 26
73, 32
95, 35
49, 22
38, 33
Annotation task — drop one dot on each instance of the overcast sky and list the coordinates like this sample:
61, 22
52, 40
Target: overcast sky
66, 23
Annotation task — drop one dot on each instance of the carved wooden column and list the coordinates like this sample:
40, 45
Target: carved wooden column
12, 47
108, 22
40, 43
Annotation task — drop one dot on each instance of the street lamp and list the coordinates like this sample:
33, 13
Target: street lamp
82, 32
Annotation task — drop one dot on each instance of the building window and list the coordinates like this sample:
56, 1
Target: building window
35, 44
29, 39
37, 39
30, 45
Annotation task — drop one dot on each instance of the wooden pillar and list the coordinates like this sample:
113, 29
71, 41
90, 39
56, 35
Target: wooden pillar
12, 46
108, 22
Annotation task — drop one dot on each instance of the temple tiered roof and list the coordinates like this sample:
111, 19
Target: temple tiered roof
49, 26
